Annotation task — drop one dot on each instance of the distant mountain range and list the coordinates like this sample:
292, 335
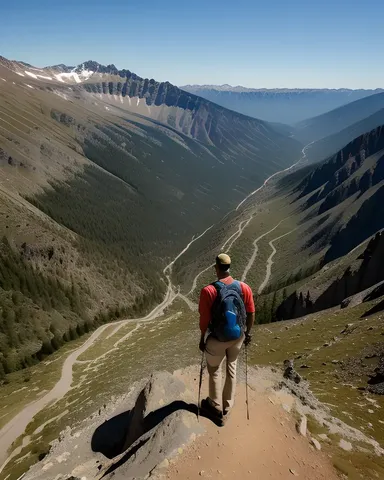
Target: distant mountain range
288, 106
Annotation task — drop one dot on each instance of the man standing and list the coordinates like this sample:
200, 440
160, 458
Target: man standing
227, 311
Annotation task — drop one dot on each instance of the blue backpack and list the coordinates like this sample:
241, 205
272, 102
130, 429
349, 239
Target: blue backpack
228, 312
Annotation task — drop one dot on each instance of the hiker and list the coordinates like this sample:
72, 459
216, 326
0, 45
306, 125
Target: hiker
227, 312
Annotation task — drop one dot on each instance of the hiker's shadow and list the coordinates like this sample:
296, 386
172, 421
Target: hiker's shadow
110, 438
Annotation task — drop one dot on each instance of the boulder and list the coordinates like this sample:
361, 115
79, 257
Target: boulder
290, 372
315, 443
301, 426
138, 434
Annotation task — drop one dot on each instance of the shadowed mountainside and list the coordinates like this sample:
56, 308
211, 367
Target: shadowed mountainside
343, 196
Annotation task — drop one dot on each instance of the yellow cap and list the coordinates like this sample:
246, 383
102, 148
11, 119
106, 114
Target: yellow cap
223, 259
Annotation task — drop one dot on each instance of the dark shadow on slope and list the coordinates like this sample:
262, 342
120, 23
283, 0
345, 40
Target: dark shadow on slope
126, 457
366, 222
110, 437
376, 309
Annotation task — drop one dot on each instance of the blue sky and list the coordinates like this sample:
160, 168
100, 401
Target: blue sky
274, 43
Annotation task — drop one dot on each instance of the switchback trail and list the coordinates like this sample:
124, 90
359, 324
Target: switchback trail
270, 260
256, 250
244, 223
227, 245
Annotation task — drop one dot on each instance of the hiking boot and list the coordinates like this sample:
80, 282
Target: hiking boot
212, 412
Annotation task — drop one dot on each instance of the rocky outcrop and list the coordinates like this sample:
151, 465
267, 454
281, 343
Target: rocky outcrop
290, 372
369, 273
136, 439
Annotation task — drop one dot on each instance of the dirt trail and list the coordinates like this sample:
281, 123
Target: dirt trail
265, 447
16, 427
227, 245
302, 159
256, 250
270, 260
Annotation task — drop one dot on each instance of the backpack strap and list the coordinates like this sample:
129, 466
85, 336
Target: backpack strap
237, 285
218, 285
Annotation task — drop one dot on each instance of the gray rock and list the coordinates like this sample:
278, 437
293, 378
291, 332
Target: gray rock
377, 389
290, 372
347, 446
347, 328
301, 426
315, 443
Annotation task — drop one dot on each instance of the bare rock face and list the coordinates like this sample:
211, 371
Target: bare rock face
137, 438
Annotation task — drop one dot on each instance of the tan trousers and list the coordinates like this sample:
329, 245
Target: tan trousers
215, 353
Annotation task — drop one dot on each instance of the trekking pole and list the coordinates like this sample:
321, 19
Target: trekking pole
200, 383
246, 381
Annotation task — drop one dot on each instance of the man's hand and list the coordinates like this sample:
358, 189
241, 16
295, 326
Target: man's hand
248, 339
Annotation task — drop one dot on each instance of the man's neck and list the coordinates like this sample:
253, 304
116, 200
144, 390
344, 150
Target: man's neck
223, 275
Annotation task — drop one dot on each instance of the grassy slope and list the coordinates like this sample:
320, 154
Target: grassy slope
333, 383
